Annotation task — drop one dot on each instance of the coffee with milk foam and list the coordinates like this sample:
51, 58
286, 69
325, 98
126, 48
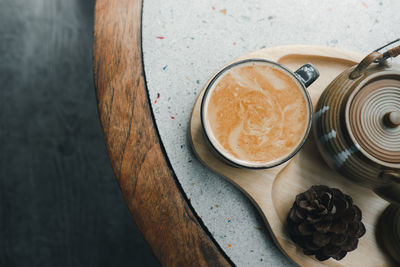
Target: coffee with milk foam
256, 113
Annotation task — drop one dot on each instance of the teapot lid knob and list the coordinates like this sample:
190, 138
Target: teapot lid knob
392, 119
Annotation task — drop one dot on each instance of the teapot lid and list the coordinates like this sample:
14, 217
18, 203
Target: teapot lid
373, 120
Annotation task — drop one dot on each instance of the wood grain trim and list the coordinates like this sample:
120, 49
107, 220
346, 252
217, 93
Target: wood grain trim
147, 183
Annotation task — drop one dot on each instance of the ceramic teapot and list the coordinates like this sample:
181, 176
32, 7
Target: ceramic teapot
357, 124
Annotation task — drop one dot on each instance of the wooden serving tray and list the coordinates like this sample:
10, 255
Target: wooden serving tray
273, 190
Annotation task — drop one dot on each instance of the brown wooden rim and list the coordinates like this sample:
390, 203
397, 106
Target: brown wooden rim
149, 186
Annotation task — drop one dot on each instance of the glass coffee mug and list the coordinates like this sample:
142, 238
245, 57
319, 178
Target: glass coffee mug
256, 113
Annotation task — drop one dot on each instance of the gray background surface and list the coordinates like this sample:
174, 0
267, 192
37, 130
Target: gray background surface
185, 42
60, 204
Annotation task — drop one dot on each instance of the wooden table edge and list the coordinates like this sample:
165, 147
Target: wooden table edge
149, 186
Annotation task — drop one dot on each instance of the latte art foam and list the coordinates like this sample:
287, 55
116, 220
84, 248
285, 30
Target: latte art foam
257, 113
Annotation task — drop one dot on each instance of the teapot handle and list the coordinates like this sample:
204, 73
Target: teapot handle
358, 71
394, 52
375, 57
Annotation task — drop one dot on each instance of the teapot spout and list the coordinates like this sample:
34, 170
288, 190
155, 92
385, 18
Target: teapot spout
390, 193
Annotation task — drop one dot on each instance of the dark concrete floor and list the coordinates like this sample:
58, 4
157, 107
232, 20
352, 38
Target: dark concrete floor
59, 202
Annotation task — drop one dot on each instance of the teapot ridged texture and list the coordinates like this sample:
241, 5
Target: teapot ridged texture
337, 141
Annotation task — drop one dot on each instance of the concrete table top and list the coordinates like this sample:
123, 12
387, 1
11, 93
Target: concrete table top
185, 42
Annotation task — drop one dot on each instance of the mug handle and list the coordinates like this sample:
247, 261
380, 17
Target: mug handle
307, 74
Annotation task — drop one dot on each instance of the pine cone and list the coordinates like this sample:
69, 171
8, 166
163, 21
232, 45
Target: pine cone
325, 223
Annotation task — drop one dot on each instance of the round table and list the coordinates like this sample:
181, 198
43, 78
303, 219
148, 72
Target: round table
151, 60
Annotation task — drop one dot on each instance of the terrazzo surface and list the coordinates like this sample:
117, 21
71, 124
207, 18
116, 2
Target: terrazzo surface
185, 42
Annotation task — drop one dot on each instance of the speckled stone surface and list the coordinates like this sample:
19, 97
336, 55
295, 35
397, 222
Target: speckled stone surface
185, 42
